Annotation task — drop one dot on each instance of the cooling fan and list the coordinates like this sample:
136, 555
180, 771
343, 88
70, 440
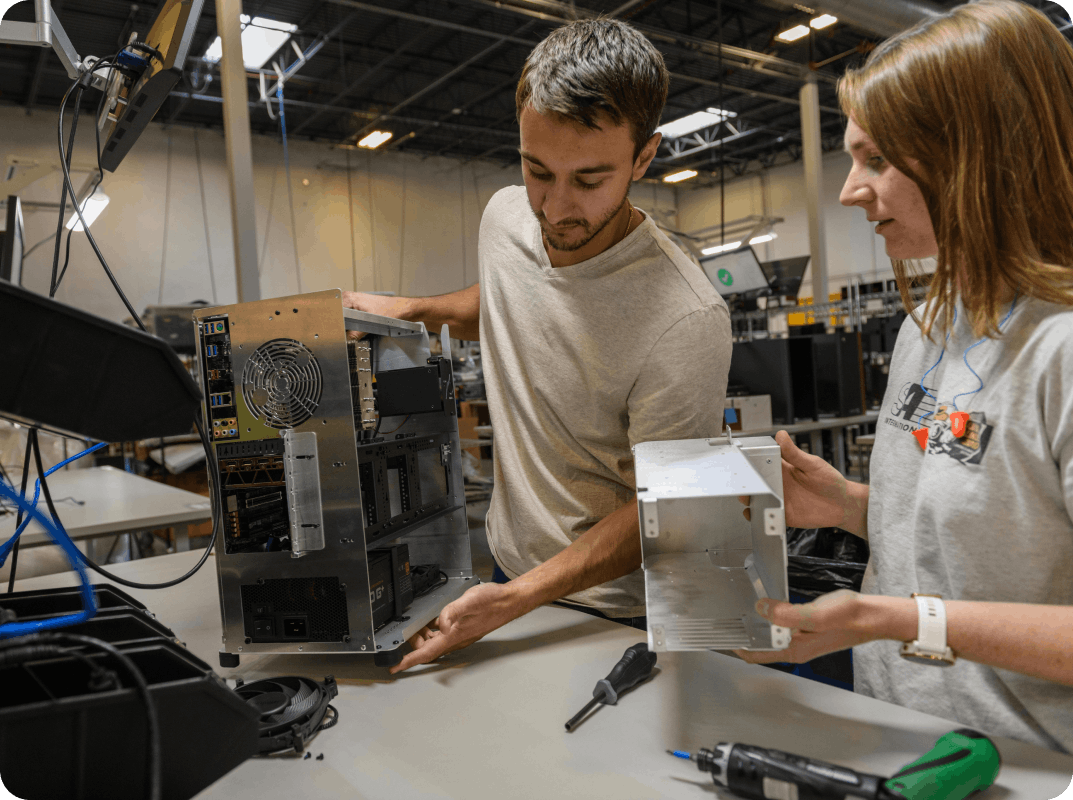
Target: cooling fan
292, 711
281, 383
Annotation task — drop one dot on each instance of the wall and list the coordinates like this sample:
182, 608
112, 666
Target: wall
402, 224
853, 247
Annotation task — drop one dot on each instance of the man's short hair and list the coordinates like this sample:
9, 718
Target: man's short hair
589, 66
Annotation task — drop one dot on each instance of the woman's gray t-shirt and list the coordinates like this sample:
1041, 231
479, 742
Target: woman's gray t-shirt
985, 517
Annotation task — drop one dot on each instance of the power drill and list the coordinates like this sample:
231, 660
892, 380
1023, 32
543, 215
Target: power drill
961, 763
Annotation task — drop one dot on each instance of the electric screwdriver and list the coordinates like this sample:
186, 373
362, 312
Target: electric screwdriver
961, 763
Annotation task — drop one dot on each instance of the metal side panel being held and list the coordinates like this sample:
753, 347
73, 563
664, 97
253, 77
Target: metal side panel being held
340, 477
705, 565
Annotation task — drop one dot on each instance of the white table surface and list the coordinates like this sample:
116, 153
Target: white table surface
487, 721
114, 502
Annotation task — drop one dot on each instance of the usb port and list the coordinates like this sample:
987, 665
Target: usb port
221, 399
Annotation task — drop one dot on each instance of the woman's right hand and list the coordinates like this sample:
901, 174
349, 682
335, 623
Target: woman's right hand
816, 495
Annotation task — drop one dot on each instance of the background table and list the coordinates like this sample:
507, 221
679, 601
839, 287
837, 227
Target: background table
114, 502
487, 721
815, 428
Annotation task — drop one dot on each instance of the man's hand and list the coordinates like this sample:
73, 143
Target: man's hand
816, 495
385, 306
830, 623
474, 615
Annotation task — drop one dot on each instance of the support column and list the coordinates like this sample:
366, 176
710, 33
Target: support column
239, 150
812, 154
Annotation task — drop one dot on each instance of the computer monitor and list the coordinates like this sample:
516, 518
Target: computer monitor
784, 276
734, 272
14, 243
133, 103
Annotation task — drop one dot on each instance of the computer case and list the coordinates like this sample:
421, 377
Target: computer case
782, 368
837, 367
327, 446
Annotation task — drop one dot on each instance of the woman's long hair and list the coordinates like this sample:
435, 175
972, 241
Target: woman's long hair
981, 98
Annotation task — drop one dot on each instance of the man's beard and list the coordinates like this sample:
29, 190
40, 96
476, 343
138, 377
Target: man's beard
558, 242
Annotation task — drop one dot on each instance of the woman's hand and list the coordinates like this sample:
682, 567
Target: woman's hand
830, 623
816, 495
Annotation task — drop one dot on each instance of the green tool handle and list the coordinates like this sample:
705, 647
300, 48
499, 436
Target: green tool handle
961, 763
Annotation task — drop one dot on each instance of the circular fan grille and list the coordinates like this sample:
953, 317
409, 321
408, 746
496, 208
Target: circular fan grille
281, 383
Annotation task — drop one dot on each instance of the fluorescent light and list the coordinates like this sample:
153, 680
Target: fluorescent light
793, 34
720, 248
823, 21
684, 175
767, 237
92, 207
694, 122
375, 139
261, 37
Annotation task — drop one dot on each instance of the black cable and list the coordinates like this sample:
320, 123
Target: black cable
332, 722
31, 439
148, 48
78, 210
212, 470
18, 652
63, 191
153, 750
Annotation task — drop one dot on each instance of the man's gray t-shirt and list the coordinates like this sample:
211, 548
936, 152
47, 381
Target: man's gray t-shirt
985, 517
580, 364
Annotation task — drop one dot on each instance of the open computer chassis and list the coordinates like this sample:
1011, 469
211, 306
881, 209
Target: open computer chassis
340, 477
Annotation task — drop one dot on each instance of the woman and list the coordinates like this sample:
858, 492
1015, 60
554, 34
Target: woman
961, 133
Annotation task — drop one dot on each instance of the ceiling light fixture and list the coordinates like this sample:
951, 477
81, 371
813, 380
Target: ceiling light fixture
722, 248
684, 175
792, 35
375, 139
694, 122
261, 37
823, 21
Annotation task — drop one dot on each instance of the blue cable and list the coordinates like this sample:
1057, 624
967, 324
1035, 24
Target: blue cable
6, 547
89, 599
965, 356
933, 366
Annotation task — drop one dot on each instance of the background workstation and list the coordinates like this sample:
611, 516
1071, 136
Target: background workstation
403, 217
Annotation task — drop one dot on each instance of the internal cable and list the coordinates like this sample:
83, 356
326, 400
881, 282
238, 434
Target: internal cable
63, 193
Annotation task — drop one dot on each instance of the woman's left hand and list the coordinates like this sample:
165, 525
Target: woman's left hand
830, 623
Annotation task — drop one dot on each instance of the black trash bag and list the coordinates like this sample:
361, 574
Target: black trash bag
826, 543
811, 577
822, 560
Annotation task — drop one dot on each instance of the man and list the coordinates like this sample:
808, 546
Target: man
596, 333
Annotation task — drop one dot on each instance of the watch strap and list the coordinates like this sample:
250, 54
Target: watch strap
931, 624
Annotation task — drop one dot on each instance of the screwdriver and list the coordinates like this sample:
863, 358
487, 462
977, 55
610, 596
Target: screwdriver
635, 666
961, 763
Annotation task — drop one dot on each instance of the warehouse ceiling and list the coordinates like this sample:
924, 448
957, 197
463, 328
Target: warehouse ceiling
440, 74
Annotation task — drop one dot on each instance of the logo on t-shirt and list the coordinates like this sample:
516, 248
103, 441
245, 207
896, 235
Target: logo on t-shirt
916, 408
725, 277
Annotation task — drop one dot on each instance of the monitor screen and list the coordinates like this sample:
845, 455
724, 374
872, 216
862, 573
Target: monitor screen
13, 243
734, 272
784, 276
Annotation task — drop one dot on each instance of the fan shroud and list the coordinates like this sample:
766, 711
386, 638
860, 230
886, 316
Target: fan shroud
282, 383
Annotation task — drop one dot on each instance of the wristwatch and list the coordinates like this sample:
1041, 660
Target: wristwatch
930, 644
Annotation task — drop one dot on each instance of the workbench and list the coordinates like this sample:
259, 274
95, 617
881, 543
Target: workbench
487, 721
112, 502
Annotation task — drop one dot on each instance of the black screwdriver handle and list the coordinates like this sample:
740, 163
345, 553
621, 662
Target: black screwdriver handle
635, 666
